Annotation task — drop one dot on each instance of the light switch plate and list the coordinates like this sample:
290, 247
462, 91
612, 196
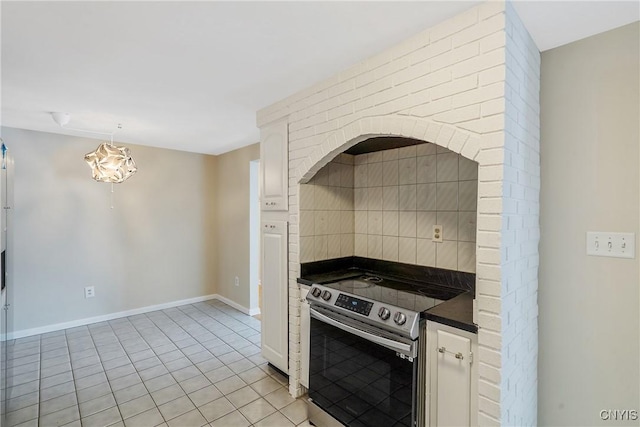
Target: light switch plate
616, 245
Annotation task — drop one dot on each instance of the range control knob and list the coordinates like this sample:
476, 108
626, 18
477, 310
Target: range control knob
316, 292
400, 318
326, 295
384, 313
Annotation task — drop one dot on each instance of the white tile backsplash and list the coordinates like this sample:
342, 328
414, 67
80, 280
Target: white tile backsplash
390, 198
407, 224
467, 223
390, 172
374, 246
360, 176
321, 250
447, 196
426, 252
374, 198
374, 157
426, 197
374, 174
425, 149
390, 223
447, 169
326, 217
346, 176
425, 169
467, 256
307, 197
360, 199
361, 221
467, 169
422, 186
447, 255
468, 195
449, 222
407, 171
321, 220
390, 248
424, 224
407, 197
407, 250
384, 205
406, 152
374, 222
333, 246
347, 245
389, 155
360, 245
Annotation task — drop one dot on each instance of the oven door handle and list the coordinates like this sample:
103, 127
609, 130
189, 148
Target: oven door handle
390, 344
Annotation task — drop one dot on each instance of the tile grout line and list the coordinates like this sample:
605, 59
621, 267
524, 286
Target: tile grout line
105, 374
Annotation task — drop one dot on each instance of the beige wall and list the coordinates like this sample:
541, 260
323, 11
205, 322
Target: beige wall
155, 246
589, 306
232, 207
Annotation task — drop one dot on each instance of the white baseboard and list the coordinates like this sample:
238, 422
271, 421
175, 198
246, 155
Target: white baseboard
245, 310
86, 321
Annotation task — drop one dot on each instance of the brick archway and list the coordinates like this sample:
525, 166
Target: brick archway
442, 134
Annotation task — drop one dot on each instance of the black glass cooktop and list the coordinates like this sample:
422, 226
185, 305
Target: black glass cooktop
410, 296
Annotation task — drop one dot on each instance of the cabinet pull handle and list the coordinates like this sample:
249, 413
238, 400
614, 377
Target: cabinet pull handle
457, 355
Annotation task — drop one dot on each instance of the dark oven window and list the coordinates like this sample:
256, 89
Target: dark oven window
359, 383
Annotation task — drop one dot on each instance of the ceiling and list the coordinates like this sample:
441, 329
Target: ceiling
191, 75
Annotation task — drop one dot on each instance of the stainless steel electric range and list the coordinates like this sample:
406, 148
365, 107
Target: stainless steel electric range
364, 349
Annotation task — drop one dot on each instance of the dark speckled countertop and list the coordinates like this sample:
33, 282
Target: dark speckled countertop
455, 288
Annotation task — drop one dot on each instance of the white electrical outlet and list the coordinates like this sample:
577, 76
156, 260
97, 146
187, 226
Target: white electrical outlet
89, 292
437, 234
617, 245
236, 281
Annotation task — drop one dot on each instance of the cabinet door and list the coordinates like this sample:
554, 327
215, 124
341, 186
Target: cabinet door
274, 313
274, 166
305, 324
453, 371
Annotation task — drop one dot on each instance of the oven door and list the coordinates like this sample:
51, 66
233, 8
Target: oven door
359, 375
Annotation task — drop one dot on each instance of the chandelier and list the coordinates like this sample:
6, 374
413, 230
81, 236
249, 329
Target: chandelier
111, 163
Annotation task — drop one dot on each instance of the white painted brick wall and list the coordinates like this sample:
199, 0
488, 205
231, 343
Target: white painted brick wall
469, 84
518, 405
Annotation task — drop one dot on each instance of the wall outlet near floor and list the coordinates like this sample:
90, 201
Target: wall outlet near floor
616, 245
437, 234
90, 292
236, 281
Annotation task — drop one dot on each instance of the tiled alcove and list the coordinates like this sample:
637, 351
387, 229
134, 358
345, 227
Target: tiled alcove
384, 204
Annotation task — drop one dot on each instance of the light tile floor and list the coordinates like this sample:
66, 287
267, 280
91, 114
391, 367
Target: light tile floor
193, 365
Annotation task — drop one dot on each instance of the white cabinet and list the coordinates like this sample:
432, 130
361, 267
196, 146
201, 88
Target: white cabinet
452, 376
274, 294
305, 324
274, 164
